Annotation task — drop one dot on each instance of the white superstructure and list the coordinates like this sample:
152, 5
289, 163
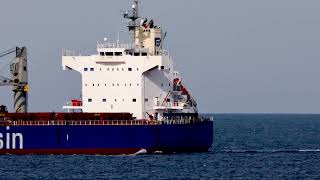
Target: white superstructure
137, 77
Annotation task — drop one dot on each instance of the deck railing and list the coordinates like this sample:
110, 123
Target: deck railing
68, 53
115, 45
99, 122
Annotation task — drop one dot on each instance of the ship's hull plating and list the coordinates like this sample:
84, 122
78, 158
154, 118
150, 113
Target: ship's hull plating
106, 139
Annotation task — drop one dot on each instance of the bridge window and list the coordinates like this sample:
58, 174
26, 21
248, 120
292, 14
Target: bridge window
144, 54
109, 53
118, 53
128, 53
101, 53
134, 100
136, 54
104, 100
90, 100
85, 69
129, 69
91, 69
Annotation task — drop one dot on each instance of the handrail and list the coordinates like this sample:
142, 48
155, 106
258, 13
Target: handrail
115, 45
68, 53
169, 104
102, 122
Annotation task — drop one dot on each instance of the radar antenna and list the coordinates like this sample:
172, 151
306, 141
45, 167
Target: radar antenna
132, 15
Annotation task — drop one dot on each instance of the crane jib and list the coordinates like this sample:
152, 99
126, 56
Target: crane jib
7, 52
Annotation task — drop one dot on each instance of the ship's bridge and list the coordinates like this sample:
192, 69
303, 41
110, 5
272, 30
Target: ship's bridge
115, 49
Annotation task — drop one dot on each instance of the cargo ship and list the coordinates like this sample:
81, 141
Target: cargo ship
132, 99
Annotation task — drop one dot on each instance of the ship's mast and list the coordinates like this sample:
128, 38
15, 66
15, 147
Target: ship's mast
132, 15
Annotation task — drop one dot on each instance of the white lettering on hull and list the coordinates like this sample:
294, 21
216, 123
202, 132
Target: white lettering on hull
10, 140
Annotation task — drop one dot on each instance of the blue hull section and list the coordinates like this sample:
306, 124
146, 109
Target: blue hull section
106, 139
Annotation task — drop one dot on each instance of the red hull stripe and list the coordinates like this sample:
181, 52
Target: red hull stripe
104, 151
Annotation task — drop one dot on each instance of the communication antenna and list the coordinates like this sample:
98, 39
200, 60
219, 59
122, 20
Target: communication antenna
132, 15
118, 37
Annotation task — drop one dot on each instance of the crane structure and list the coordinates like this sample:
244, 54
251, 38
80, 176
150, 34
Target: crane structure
18, 79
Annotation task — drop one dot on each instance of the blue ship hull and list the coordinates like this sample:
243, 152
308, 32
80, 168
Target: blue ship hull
105, 139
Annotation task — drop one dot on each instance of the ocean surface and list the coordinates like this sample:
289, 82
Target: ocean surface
246, 146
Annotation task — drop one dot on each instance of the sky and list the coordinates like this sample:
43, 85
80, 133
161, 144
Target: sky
248, 56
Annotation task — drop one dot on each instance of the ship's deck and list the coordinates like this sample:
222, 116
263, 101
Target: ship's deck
45, 116
52, 118
47, 119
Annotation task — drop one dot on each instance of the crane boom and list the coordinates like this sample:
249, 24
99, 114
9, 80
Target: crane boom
7, 52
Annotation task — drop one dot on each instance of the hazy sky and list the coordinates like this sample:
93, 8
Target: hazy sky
243, 56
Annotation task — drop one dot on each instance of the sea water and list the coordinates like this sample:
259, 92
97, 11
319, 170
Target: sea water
246, 146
